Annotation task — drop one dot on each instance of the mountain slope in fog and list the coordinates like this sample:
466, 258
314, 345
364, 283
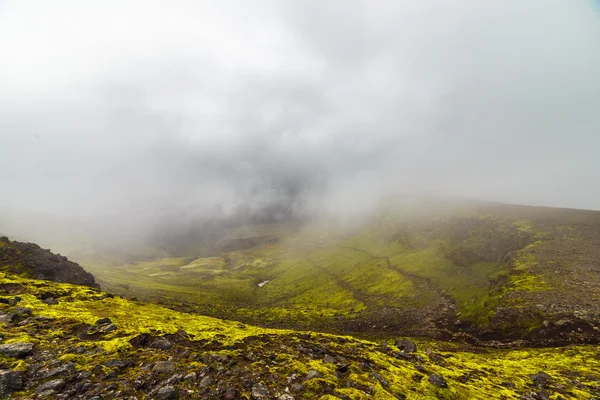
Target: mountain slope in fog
438, 268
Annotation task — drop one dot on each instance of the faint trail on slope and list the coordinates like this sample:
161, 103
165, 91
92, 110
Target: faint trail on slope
357, 294
413, 277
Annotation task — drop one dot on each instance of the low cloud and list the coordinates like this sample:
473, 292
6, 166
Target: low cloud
130, 114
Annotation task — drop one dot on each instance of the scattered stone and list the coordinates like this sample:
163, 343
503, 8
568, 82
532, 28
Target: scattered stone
405, 345
182, 333
260, 392
190, 377
161, 343
142, 340
108, 328
328, 359
436, 358
51, 301
110, 375
508, 385
380, 379
163, 367
22, 311
174, 379
206, 381
541, 378
63, 370
103, 321
438, 380
6, 318
286, 397
166, 393
10, 381
231, 394
83, 375
119, 364
54, 385
17, 350
312, 374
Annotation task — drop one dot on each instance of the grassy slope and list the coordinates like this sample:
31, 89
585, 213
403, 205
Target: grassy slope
469, 265
470, 374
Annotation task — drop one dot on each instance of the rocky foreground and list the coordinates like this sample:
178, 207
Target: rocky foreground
63, 341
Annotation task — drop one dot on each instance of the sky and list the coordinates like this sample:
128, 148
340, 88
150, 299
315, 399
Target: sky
136, 110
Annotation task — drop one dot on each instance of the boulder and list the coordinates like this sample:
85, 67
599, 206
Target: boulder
438, 380
163, 367
405, 345
166, 393
17, 350
54, 385
161, 343
10, 381
206, 381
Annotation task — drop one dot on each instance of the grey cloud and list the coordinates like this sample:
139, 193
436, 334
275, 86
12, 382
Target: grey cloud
132, 112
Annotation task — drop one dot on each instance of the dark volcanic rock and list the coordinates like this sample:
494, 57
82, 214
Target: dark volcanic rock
231, 394
55, 385
17, 350
163, 367
541, 378
119, 364
63, 370
42, 264
166, 393
10, 381
161, 343
206, 381
51, 301
438, 381
407, 346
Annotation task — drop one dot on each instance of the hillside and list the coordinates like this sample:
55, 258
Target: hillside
448, 269
31, 260
87, 344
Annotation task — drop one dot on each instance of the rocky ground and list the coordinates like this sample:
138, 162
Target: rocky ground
61, 341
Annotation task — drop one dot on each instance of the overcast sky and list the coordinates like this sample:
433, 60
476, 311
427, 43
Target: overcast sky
125, 107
